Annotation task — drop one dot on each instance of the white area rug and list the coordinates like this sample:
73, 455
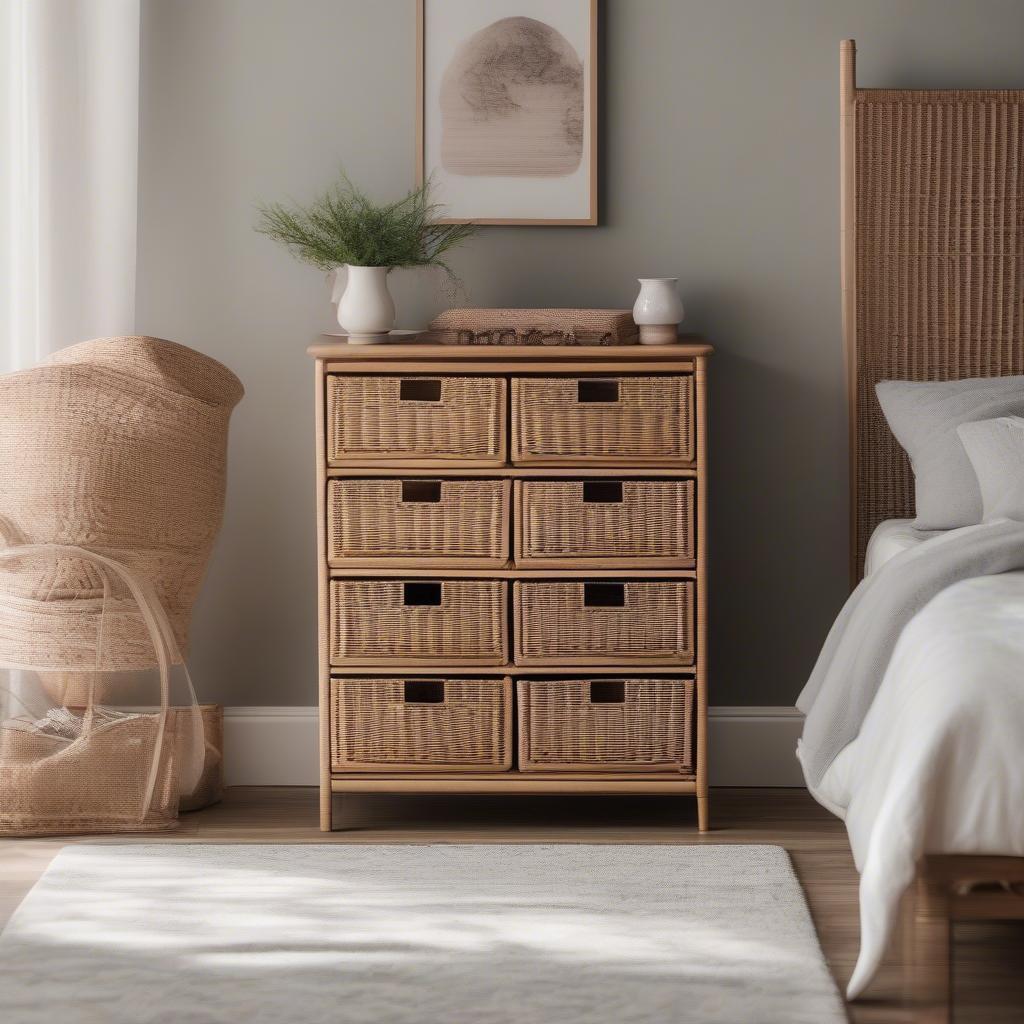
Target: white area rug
346, 934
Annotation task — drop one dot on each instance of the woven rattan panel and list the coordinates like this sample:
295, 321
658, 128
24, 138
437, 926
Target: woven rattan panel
939, 256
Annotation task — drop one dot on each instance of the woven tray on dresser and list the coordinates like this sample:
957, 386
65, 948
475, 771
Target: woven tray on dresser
512, 559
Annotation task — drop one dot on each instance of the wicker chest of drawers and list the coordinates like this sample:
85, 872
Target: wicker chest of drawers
512, 558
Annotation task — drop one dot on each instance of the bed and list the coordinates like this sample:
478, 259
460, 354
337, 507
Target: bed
932, 787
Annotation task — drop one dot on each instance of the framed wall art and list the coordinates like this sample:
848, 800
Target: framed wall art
507, 109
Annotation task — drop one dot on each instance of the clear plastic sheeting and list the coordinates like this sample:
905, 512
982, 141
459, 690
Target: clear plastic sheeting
99, 726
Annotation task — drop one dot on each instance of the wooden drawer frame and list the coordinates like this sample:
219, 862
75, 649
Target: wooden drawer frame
510, 362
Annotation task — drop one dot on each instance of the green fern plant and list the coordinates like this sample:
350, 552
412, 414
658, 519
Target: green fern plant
345, 226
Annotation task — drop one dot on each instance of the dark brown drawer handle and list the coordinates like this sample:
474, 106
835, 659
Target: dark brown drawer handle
424, 691
421, 490
419, 389
603, 595
597, 391
606, 691
603, 492
420, 594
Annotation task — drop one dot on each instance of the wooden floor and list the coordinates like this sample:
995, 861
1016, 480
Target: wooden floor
989, 981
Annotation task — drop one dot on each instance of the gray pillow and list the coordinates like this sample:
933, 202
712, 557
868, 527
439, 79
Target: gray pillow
924, 418
996, 450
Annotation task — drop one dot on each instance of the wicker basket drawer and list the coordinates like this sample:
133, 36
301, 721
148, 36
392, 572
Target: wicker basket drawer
609, 622
414, 419
639, 420
640, 523
606, 725
419, 522
417, 622
421, 724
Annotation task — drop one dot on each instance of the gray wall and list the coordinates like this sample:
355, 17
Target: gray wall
719, 165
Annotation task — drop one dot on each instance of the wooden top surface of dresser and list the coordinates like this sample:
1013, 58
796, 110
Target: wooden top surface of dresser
329, 349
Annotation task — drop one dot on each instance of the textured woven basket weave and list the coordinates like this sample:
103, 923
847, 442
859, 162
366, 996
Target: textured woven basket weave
117, 445
397, 419
533, 327
939, 246
97, 784
421, 724
210, 788
421, 521
372, 623
606, 724
554, 624
650, 523
639, 420
91, 766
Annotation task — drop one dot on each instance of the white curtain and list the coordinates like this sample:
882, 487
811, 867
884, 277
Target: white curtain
69, 131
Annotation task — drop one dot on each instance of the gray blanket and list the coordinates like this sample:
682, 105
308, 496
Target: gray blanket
856, 654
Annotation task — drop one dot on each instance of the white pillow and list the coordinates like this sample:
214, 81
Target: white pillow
924, 417
996, 450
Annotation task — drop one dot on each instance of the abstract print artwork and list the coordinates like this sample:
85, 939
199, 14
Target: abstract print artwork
507, 109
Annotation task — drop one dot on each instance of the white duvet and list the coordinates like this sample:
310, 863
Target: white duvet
938, 766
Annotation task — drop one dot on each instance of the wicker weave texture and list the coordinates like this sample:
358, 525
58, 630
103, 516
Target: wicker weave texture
367, 417
368, 519
58, 633
562, 727
210, 788
96, 784
370, 622
650, 419
118, 445
554, 625
939, 244
653, 522
392, 723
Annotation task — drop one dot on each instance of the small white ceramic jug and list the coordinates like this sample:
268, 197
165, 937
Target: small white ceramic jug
658, 310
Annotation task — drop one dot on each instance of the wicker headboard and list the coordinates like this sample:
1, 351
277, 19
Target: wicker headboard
932, 220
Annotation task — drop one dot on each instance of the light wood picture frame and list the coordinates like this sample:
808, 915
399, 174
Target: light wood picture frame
497, 147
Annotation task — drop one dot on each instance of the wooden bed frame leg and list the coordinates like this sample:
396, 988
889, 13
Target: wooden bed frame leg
931, 967
703, 822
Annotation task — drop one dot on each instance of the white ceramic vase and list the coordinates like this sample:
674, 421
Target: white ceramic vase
365, 309
658, 310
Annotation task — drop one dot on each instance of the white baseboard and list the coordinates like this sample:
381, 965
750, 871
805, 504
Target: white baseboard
278, 746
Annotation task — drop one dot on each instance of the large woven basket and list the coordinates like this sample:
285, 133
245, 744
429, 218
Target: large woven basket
624, 523
118, 445
411, 419
639, 420
418, 622
421, 724
93, 765
606, 725
420, 522
96, 784
606, 622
